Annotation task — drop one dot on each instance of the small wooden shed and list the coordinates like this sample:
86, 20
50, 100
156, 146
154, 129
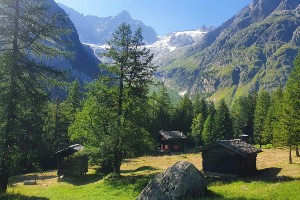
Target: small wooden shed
230, 157
173, 141
70, 165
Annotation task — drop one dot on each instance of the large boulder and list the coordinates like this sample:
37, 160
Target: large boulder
180, 181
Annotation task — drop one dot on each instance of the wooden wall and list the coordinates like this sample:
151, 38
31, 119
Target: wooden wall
221, 160
72, 167
175, 145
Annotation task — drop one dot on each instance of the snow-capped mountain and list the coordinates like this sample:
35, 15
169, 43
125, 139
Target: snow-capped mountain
165, 44
98, 30
176, 40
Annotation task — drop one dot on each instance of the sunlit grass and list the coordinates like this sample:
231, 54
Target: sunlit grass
275, 179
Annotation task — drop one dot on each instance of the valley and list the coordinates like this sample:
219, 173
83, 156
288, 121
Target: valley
107, 103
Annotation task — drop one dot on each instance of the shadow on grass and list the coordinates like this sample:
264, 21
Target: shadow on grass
20, 197
268, 175
22, 178
138, 181
140, 169
84, 180
212, 195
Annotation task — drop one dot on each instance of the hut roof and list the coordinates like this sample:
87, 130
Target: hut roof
172, 135
238, 146
69, 150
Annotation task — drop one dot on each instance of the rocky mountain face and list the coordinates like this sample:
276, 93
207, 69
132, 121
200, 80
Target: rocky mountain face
97, 30
83, 65
251, 51
165, 44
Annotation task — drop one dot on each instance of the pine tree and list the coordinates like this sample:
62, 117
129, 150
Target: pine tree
28, 34
209, 135
164, 109
183, 115
197, 128
224, 122
200, 106
73, 101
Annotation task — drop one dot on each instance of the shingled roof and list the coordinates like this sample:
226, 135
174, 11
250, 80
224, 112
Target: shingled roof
168, 135
69, 150
238, 146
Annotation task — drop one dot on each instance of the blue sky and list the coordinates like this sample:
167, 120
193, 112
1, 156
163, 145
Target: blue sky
164, 16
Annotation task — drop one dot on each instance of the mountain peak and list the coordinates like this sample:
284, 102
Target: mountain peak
124, 14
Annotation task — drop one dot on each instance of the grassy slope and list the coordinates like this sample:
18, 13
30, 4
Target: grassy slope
275, 180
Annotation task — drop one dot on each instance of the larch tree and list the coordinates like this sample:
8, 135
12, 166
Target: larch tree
272, 130
28, 34
114, 110
260, 115
290, 120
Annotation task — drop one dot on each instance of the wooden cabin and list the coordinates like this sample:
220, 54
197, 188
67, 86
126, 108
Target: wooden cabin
230, 157
70, 165
172, 141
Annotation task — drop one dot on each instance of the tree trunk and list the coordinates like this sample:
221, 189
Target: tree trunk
290, 155
117, 164
297, 152
3, 182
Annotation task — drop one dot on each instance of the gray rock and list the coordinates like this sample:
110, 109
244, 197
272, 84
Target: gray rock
180, 181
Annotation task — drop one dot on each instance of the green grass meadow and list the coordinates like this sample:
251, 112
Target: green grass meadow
275, 179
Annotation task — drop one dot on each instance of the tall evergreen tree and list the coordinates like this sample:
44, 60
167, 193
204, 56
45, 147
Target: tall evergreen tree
183, 115
115, 104
197, 128
224, 122
242, 112
28, 34
164, 108
160, 109
290, 119
209, 133
272, 130
260, 115
200, 106
73, 101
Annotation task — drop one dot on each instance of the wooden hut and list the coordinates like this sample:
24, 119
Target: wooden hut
172, 141
230, 157
70, 165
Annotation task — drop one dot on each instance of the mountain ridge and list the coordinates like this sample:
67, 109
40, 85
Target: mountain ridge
84, 64
97, 30
253, 50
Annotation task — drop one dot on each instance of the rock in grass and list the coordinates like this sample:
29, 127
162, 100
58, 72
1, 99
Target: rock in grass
181, 181
30, 182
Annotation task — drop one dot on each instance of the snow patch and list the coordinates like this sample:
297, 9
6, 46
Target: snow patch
182, 93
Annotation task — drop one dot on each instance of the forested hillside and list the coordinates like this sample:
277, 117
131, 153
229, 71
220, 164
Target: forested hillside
253, 50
